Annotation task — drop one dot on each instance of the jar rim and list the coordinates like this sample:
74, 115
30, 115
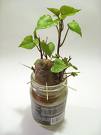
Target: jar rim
43, 87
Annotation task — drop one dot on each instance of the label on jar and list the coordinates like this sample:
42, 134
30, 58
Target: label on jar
48, 115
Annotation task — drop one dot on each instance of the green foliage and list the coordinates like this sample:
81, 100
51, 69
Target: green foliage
58, 66
46, 21
28, 42
48, 48
55, 11
67, 11
64, 11
61, 64
68, 63
74, 26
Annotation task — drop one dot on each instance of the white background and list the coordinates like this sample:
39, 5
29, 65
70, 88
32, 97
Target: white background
83, 112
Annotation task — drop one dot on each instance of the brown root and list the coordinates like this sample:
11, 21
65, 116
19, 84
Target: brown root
43, 74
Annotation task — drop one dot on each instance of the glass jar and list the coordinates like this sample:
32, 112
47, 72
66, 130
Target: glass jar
48, 102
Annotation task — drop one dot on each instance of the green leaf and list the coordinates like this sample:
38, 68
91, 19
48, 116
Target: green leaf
51, 47
36, 41
45, 21
67, 11
27, 43
55, 11
48, 48
74, 26
58, 66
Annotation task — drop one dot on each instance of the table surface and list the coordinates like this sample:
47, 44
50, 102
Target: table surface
83, 108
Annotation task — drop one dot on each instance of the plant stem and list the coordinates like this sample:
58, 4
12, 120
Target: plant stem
46, 43
64, 37
41, 54
46, 56
38, 48
57, 28
67, 77
69, 59
60, 29
59, 39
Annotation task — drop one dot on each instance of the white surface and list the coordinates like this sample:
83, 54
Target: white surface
83, 111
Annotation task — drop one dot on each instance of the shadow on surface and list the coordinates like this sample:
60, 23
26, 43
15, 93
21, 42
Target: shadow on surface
28, 125
81, 120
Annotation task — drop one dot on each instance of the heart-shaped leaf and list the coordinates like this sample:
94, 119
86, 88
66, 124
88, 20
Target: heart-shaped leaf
58, 66
48, 48
55, 11
74, 26
67, 11
28, 43
51, 47
45, 21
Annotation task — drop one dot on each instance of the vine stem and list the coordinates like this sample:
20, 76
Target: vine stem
59, 39
46, 43
41, 54
39, 45
38, 48
67, 77
57, 29
64, 37
60, 29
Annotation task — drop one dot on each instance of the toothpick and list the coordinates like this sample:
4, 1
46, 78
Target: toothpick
26, 66
29, 82
32, 68
70, 87
46, 90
